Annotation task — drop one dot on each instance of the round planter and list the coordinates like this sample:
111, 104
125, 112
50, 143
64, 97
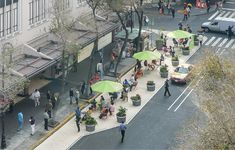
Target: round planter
185, 52
136, 103
90, 128
121, 119
175, 63
150, 87
164, 74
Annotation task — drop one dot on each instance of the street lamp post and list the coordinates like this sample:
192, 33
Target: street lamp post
3, 140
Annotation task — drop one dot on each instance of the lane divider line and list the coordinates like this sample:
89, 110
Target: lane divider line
183, 100
179, 97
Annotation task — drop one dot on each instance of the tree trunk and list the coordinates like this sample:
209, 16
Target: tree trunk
124, 44
140, 20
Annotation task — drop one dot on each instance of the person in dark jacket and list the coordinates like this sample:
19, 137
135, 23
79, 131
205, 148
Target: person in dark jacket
167, 88
32, 125
71, 95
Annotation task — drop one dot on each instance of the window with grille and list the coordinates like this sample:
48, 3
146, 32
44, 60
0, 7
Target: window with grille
9, 16
37, 11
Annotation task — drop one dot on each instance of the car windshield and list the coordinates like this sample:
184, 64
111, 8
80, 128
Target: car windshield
183, 70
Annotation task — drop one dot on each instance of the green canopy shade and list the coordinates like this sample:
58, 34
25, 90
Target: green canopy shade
179, 34
106, 86
147, 55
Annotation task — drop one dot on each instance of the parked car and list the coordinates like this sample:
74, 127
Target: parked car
220, 24
180, 73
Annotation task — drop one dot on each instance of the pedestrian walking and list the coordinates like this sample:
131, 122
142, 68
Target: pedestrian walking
169, 8
188, 11
100, 70
122, 129
161, 59
53, 100
49, 108
32, 125
20, 119
36, 97
185, 15
173, 12
77, 95
83, 87
111, 65
208, 6
78, 118
200, 38
167, 88
46, 118
111, 108
71, 95
48, 95
230, 32
146, 20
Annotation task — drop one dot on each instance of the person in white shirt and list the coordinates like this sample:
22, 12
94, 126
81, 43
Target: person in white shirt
36, 96
200, 38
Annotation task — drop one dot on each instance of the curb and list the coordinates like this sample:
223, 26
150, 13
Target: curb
69, 117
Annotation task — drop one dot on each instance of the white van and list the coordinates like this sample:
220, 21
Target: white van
220, 24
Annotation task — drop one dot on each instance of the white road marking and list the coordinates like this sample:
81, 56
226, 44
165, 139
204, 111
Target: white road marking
216, 13
226, 15
230, 3
222, 13
222, 43
233, 47
232, 15
229, 43
217, 51
210, 40
179, 96
183, 100
228, 9
216, 42
222, 51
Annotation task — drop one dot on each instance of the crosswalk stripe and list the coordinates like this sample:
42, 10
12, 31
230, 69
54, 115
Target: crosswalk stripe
222, 43
216, 13
229, 43
232, 15
216, 42
226, 15
222, 13
210, 40
233, 47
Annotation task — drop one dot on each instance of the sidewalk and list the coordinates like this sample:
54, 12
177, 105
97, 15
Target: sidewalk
22, 139
67, 135
197, 11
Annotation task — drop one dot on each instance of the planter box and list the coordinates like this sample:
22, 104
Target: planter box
185, 52
164, 74
175, 63
196, 43
150, 87
90, 128
136, 103
121, 119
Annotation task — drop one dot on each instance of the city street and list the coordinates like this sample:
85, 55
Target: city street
157, 125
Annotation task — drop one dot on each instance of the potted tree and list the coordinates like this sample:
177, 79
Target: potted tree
175, 60
121, 115
164, 71
90, 123
136, 100
185, 50
150, 86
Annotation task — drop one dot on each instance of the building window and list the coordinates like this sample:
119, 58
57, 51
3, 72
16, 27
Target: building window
9, 16
37, 11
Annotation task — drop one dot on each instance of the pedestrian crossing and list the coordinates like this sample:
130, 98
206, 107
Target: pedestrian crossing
220, 42
223, 13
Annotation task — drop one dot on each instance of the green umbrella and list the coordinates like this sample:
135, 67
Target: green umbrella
147, 55
106, 86
179, 34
